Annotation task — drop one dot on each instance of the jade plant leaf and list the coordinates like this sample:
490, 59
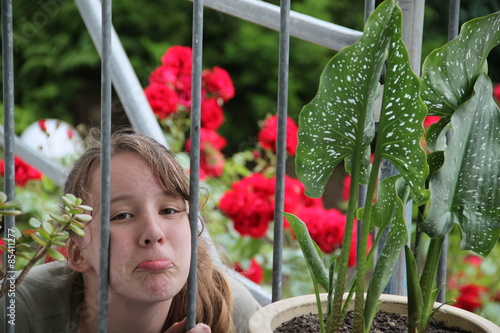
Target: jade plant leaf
338, 123
466, 189
403, 111
449, 73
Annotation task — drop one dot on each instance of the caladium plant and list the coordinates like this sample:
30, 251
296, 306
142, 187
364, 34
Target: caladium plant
458, 179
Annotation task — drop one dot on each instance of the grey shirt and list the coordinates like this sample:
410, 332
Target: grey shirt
47, 303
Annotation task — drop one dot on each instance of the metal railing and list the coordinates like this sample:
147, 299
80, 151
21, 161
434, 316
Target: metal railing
117, 70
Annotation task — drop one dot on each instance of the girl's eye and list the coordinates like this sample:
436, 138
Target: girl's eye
168, 211
121, 216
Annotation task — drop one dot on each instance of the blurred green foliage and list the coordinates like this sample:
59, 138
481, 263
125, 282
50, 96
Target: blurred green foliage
57, 68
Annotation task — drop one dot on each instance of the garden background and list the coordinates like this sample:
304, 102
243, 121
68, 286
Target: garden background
57, 75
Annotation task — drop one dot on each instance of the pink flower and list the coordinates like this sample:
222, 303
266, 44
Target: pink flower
218, 83
23, 171
212, 116
268, 135
162, 99
254, 272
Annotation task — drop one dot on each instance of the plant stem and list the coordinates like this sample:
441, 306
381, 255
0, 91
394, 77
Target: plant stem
336, 318
39, 255
362, 248
427, 280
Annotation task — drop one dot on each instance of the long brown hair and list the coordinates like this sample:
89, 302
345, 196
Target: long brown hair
214, 299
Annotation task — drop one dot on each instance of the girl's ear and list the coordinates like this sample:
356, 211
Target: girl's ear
76, 260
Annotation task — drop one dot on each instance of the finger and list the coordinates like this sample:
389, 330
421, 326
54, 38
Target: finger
179, 327
200, 328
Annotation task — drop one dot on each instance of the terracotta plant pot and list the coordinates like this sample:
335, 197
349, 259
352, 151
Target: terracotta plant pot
267, 319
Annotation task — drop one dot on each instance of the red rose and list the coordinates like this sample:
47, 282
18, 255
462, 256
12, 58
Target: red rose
254, 272
429, 120
178, 57
23, 171
470, 297
212, 163
474, 260
218, 83
312, 217
162, 99
212, 116
331, 232
208, 138
249, 204
164, 75
268, 134
295, 197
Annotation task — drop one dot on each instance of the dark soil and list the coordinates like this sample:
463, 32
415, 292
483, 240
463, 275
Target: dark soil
383, 323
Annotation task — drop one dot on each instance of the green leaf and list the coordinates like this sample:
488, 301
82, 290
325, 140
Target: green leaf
388, 206
10, 212
3, 197
466, 189
60, 219
395, 240
54, 254
60, 235
85, 207
39, 239
69, 200
436, 135
43, 233
415, 300
73, 211
12, 204
77, 230
310, 250
83, 217
35, 223
48, 227
449, 73
338, 122
403, 111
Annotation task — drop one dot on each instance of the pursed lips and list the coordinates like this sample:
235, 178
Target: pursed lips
153, 265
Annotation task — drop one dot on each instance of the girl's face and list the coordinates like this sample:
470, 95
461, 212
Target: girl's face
149, 233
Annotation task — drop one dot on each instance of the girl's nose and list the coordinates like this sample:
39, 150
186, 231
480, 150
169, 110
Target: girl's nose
151, 232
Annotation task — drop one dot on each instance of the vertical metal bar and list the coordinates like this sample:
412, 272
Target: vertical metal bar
369, 8
105, 164
197, 45
453, 24
284, 48
9, 185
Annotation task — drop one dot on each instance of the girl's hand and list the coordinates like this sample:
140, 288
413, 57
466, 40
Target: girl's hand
180, 327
